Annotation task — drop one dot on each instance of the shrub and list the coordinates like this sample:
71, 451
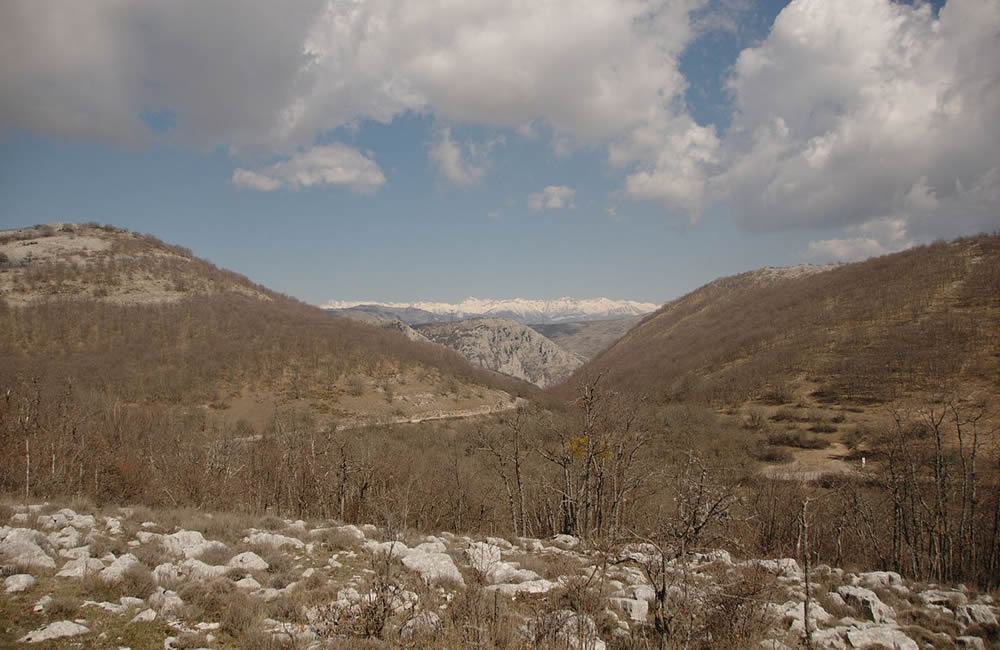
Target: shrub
138, 582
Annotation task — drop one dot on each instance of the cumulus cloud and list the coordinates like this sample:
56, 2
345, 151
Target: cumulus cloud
335, 164
553, 197
847, 111
461, 166
859, 108
869, 239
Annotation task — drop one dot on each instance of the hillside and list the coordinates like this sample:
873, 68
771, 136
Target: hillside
505, 346
900, 324
586, 338
127, 317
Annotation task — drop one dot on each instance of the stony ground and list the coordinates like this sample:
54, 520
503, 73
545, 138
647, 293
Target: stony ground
135, 578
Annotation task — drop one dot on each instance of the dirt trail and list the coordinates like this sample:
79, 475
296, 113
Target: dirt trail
440, 415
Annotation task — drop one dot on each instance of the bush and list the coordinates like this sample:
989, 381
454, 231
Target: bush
797, 439
138, 582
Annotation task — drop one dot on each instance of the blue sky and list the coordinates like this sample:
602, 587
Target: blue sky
636, 152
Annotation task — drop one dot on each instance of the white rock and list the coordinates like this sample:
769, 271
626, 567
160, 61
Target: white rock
167, 603
130, 602
273, 540
116, 571
198, 570
501, 542
942, 597
145, 616
80, 567
883, 636
530, 587
969, 614
113, 525
434, 568
432, 547
308, 573
248, 561
351, 531
565, 541
394, 549
168, 573
877, 579
52, 631
68, 537
422, 623
483, 557
637, 610
644, 592
868, 603
42, 603
23, 547
15, 584
248, 584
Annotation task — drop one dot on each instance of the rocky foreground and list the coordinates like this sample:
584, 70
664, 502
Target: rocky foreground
133, 578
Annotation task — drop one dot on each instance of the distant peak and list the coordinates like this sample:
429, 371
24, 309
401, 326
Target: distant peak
521, 309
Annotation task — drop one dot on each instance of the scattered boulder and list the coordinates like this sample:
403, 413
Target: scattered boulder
145, 616
880, 637
53, 631
23, 547
635, 609
867, 603
248, 561
975, 614
116, 571
434, 568
15, 584
273, 540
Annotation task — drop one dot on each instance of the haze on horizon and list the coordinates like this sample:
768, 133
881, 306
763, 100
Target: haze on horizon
428, 151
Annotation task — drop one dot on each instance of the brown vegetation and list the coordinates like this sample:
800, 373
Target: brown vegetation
866, 332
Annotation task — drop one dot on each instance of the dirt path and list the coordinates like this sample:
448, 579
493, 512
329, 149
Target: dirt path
440, 415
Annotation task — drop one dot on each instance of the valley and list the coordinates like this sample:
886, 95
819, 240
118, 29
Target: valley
845, 405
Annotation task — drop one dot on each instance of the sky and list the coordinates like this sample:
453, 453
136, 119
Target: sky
399, 151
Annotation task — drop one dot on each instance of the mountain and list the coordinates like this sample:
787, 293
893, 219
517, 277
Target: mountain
380, 320
506, 346
524, 311
108, 314
855, 333
586, 338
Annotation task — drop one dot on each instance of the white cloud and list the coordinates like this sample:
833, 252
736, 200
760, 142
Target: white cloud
455, 164
334, 164
859, 108
250, 73
876, 237
553, 197
847, 111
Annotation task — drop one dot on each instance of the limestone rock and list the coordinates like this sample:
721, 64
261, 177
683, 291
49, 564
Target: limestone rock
15, 584
248, 561
116, 571
882, 637
52, 631
870, 606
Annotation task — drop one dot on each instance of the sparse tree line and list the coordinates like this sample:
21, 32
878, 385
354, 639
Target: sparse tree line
928, 506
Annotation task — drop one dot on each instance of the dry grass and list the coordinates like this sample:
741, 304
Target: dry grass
137, 581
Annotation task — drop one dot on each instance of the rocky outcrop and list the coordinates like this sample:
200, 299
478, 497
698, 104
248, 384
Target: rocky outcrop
506, 346
349, 580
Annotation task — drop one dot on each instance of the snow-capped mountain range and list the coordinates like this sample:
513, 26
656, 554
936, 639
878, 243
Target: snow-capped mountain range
560, 310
